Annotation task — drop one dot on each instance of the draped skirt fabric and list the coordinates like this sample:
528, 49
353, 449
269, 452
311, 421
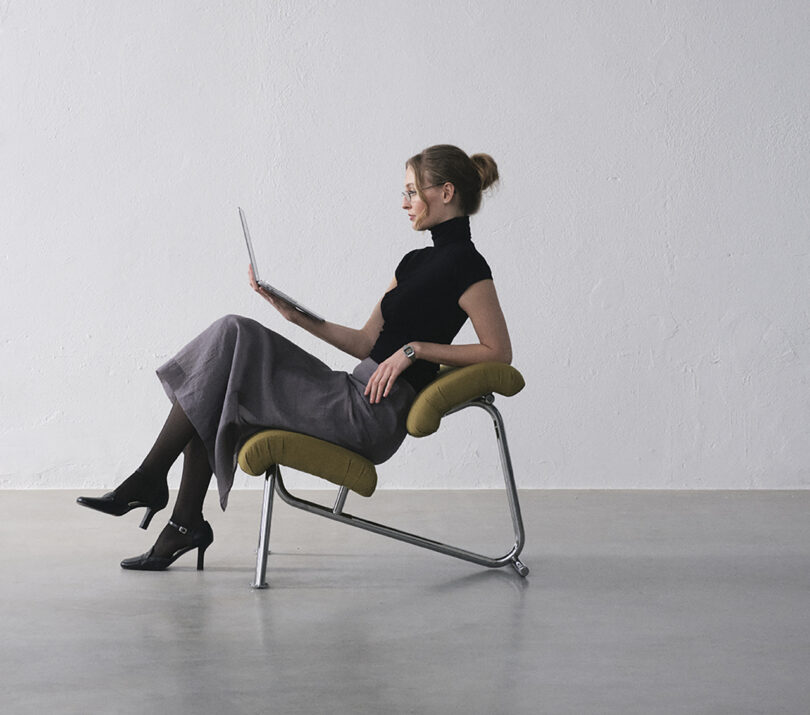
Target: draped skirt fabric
237, 378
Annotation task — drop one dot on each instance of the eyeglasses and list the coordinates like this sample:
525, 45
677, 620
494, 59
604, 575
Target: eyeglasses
410, 193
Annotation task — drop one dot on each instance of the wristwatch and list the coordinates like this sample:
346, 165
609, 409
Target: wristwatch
410, 353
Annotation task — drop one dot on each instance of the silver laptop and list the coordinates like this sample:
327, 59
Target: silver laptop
266, 286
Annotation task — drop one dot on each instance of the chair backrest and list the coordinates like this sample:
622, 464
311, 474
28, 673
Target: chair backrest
455, 386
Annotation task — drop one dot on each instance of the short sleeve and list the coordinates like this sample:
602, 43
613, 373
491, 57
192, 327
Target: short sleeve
470, 268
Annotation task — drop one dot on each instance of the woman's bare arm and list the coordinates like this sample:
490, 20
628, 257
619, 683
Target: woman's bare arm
357, 343
480, 302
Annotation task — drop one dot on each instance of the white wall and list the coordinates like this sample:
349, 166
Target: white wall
649, 240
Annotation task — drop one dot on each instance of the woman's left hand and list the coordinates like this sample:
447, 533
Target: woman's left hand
386, 374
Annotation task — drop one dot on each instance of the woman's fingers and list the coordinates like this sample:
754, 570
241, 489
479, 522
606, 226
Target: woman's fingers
384, 384
372, 386
253, 283
378, 390
381, 386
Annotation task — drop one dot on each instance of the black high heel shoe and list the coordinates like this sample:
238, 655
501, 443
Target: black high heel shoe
110, 504
201, 538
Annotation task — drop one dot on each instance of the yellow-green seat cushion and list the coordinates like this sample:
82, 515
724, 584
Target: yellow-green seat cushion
455, 386
308, 454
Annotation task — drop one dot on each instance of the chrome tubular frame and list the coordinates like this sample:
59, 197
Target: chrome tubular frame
274, 482
273, 474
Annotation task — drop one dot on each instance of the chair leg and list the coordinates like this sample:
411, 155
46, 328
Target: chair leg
340, 501
259, 580
509, 482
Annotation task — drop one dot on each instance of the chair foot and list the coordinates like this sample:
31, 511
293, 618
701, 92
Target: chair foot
260, 587
520, 567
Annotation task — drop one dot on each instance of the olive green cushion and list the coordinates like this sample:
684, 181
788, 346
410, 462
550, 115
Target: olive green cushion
308, 454
455, 386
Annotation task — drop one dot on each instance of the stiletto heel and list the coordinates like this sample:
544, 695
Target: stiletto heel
150, 512
200, 538
201, 557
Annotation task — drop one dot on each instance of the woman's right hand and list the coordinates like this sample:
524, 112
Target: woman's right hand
282, 306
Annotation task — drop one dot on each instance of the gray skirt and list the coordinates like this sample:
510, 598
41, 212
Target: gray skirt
237, 378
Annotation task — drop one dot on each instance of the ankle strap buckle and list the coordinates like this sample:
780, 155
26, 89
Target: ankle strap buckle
181, 529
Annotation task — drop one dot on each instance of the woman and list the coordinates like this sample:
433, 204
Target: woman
238, 377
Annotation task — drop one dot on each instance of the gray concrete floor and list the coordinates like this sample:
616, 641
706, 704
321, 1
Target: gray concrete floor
637, 602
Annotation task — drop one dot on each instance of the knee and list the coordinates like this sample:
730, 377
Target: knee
227, 322
235, 327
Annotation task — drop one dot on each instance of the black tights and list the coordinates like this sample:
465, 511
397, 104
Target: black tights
177, 435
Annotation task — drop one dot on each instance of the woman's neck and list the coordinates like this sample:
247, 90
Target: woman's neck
451, 231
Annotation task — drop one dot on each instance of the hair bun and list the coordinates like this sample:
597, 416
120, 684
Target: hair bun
487, 169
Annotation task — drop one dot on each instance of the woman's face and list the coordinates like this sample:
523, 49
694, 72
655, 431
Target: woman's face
422, 214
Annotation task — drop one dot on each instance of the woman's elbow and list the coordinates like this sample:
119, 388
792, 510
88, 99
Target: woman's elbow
501, 354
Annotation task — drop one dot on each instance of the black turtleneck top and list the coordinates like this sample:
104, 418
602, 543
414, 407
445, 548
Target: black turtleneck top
424, 304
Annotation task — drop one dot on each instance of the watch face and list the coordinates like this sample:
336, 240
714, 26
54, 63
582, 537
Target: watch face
409, 352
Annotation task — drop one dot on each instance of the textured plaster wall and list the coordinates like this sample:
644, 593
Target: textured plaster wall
649, 241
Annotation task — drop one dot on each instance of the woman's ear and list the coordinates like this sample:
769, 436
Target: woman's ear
448, 192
